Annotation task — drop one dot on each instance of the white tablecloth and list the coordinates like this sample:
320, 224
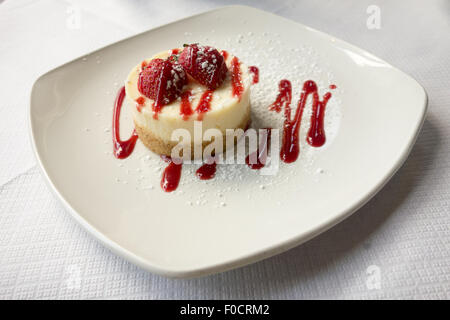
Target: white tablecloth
397, 246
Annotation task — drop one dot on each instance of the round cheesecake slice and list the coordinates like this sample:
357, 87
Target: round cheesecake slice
227, 107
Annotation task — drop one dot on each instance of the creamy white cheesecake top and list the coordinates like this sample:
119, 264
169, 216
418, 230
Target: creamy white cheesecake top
226, 111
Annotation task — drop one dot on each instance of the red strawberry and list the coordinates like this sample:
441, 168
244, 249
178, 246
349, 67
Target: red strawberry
205, 64
162, 81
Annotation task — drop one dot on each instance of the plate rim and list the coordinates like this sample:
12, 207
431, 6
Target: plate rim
254, 256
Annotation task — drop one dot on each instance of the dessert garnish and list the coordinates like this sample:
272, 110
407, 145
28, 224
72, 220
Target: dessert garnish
162, 81
205, 64
185, 107
204, 104
290, 147
171, 174
255, 71
207, 170
236, 79
122, 149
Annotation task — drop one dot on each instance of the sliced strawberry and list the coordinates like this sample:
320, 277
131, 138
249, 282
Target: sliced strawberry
162, 81
205, 64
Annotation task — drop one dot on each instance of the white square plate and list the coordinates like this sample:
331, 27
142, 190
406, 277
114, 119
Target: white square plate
241, 216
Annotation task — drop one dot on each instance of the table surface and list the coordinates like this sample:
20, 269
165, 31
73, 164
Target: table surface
396, 246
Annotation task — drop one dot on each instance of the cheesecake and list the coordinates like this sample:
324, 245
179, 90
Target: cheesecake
176, 88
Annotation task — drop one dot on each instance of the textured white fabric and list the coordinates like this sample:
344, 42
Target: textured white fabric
397, 246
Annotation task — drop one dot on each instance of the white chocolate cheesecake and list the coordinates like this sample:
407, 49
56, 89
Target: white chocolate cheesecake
222, 108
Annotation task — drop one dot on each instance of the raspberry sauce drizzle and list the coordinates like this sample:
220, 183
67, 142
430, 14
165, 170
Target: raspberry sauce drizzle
290, 147
284, 97
260, 155
204, 104
185, 106
140, 103
224, 54
236, 78
171, 175
122, 149
206, 171
316, 134
255, 71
